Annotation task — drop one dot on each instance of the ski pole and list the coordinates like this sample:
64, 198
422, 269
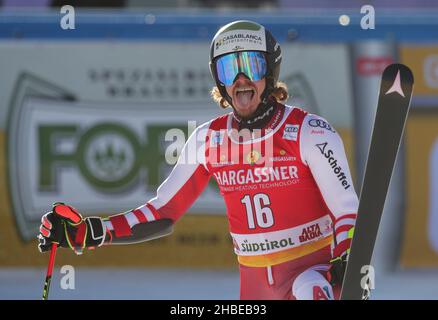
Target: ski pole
49, 271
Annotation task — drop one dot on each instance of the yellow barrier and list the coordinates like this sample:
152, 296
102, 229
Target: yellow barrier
421, 134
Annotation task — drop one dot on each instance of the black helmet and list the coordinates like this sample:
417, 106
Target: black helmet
244, 35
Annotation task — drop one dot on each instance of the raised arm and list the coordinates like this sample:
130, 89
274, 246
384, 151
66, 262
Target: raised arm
323, 151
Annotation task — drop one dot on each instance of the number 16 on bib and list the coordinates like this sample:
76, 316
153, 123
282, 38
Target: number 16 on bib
392, 111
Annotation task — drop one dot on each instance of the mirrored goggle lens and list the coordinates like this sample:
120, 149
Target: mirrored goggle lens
250, 63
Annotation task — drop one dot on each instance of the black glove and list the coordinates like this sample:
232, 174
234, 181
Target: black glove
335, 274
67, 228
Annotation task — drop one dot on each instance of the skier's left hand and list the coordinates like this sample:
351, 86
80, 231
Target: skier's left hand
338, 263
335, 274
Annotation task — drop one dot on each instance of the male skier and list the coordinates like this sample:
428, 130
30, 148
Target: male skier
283, 173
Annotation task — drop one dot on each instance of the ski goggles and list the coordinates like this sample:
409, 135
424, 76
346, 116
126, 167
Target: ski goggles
250, 63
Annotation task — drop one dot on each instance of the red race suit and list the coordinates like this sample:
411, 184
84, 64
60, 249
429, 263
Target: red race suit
288, 192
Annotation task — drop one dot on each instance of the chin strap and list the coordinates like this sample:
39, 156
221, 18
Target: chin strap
264, 113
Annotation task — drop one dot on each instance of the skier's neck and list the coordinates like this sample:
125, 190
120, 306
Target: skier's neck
266, 117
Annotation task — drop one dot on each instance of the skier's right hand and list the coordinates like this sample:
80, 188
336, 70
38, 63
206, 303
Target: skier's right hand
66, 227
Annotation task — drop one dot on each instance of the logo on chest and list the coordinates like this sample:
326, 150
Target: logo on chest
291, 132
217, 138
253, 156
256, 175
283, 156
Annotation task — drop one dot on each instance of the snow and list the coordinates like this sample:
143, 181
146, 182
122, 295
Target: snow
148, 284
177, 284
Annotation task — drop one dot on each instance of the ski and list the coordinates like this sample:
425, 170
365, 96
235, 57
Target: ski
392, 110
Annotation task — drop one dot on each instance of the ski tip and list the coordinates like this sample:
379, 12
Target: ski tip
392, 70
397, 78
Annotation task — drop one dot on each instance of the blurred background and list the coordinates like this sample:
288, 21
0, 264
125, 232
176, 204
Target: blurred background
89, 91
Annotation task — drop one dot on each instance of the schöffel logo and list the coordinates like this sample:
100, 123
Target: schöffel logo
333, 164
310, 233
318, 123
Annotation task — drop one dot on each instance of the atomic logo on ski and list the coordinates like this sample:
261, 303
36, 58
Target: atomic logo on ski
396, 86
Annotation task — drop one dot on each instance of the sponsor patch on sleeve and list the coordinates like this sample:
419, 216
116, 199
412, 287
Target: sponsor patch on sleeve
319, 126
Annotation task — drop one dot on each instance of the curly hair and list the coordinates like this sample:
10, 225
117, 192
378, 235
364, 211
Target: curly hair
280, 94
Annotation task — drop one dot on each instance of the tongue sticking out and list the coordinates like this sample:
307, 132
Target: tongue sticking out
244, 98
